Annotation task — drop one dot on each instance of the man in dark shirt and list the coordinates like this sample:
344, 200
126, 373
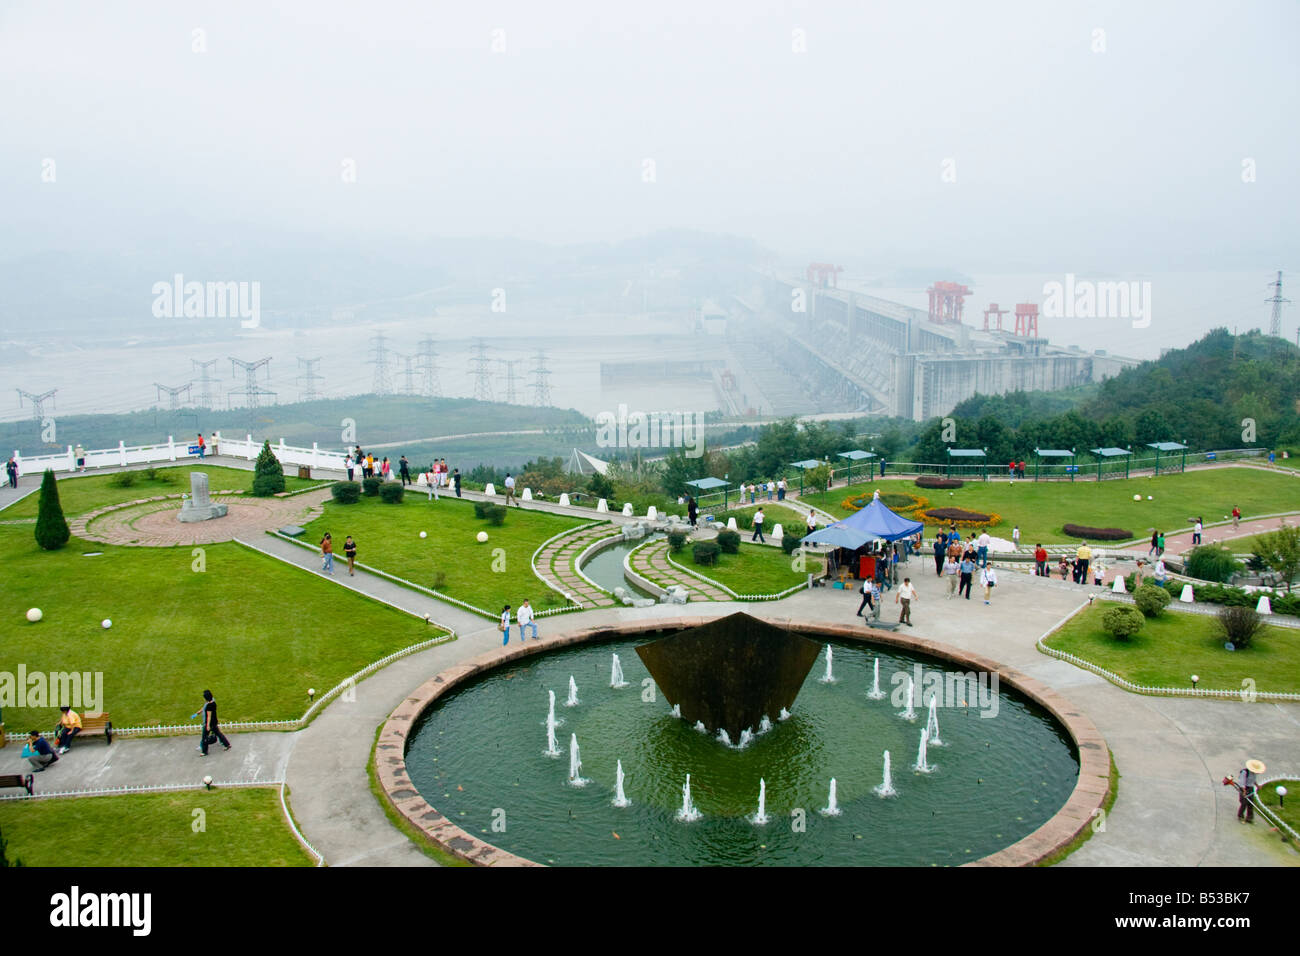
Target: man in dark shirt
455, 476
211, 732
940, 545
38, 751
404, 472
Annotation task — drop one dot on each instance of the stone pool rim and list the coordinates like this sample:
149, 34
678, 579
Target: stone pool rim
1089, 795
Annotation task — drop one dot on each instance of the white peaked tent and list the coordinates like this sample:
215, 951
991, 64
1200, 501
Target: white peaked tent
580, 463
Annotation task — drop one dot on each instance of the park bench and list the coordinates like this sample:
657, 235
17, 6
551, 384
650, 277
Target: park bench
96, 724
17, 780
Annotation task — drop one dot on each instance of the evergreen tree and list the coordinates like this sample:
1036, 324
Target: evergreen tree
51, 527
268, 476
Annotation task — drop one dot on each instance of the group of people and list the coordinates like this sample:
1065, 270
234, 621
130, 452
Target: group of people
960, 565
872, 588
1015, 469
524, 620
775, 490
327, 553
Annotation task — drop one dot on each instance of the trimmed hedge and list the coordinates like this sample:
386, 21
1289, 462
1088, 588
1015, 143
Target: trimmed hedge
370, 486
391, 492
1151, 600
956, 514
706, 552
934, 481
1123, 621
729, 541
1230, 596
1098, 534
52, 530
677, 540
789, 543
346, 492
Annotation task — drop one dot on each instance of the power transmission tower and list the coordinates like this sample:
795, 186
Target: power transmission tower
173, 393
541, 380
38, 402
308, 379
408, 372
432, 386
383, 382
511, 398
482, 377
251, 390
1275, 325
206, 381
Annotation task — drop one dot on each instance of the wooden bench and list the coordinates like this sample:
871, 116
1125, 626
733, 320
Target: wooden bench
94, 725
17, 780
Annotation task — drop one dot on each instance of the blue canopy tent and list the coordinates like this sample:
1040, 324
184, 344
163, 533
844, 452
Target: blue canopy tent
875, 522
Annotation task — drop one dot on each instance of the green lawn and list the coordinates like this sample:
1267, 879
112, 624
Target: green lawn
1042, 508
254, 630
1290, 813
388, 538
1173, 646
238, 827
83, 493
791, 521
754, 570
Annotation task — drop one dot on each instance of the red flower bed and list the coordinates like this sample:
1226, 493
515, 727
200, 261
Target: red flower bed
1098, 534
934, 481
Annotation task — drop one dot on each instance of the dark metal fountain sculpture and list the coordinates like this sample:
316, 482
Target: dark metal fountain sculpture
730, 673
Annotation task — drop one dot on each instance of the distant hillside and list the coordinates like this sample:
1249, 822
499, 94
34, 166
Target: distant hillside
1207, 395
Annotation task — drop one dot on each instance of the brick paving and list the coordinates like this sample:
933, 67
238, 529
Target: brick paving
557, 565
152, 522
652, 563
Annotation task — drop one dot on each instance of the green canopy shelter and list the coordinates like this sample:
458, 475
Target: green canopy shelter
1057, 454
975, 456
1110, 453
804, 466
856, 454
712, 484
1170, 446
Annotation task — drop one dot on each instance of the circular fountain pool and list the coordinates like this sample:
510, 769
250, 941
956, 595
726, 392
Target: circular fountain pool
478, 753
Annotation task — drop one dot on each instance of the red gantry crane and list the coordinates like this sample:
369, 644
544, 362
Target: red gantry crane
946, 300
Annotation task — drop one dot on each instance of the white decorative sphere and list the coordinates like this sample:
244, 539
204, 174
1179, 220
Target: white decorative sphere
1149, 498
1282, 791
106, 624
424, 534
1137, 497
311, 691
34, 614
481, 536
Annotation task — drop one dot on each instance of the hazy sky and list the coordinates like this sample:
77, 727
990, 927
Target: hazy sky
1065, 158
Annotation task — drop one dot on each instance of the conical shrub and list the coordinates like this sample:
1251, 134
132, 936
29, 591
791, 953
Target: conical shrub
268, 476
51, 527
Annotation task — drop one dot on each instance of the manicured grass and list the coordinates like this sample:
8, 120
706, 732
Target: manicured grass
791, 521
1088, 831
1042, 508
81, 493
754, 570
388, 538
254, 630
1173, 646
412, 833
238, 827
1290, 813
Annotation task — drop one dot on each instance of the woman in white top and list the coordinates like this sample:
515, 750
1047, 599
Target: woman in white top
505, 625
988, 581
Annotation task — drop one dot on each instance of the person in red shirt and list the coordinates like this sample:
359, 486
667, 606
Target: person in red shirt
1236, 516
1022, 469
1040, 561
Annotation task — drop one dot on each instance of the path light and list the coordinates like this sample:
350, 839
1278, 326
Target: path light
1196, 679
207, 782
311, 693
1281, 796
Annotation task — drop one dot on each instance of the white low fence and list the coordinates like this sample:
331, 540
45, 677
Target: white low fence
173, 451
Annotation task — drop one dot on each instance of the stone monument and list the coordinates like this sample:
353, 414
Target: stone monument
732, 672
199, 506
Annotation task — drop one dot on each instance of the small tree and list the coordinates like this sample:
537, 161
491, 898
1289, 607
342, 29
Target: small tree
705, 552
1212, 562
1122, 621
346, 492
676, 540
268, 475
391, 492
817, 478
729, 541
1239, 625
600, 486
1280, 550
51, 527
1151, 600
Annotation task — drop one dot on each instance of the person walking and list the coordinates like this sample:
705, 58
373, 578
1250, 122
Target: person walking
967, 572
431, 483
780, 490
526, 620
692, 511
983, 549
1236, 515
11, 471
1040, 561
1082, 557
350, 552
510, 491
442, 470
327, 553
951, 570
349, 463
1155, 543
1015, 537
504, 626
868, 595
211, 732
203, 447
1247, 786
812, 523
404, 472
456, 478
1197, 528
1160, 545
81, 458
771, 488
386, 470
988, 581
758, 527
752, 492
905, 596
939, 541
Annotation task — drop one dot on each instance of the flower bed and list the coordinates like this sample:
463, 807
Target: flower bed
961, 517
1098, 534
934, 481
897, 501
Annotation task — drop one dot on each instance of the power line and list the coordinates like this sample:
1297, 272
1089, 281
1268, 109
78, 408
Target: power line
541, 380
251, 390
482, 377
206, 381
382, 383
1275, 325
308, 379
173, 394
511, 398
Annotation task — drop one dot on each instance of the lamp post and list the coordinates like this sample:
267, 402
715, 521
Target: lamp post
1281, 796
1196, 679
